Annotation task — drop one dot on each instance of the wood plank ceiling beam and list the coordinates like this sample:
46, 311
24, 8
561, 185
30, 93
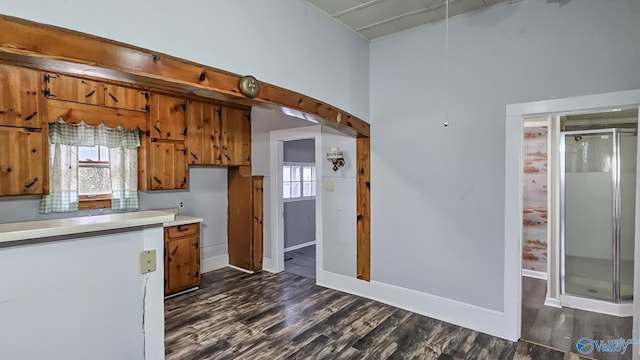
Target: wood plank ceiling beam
49, 47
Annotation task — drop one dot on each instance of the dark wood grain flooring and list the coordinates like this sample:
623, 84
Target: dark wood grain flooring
301, 262
285, 316
561, 328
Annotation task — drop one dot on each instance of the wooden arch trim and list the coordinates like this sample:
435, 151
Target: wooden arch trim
52, 48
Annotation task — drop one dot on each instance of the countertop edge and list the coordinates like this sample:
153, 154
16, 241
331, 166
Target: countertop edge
183, 220
28, 230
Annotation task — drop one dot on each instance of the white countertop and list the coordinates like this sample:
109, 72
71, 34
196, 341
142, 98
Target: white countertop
76, 225
183, 220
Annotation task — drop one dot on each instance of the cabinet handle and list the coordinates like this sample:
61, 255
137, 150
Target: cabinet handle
184, 133
90, 94
194, 156
157, 180
157, 129
113, 97
258, 220
227, 156
31, 116
31, 183
181, 229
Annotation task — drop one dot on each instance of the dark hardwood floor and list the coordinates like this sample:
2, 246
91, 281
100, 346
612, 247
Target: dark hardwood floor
561, 328
301, 262
285, 316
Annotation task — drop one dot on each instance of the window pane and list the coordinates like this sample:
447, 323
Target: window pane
88, 153
295, 173
104, 153
306, 189
313, 188
313, 173
286, 190
306, 173
295, 189
93, 180
286, 173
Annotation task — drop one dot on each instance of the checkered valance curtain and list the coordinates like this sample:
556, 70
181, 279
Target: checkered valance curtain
64, 140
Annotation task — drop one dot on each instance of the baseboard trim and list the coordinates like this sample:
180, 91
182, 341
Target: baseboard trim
470, 316
241, 269
214, 263
267, 265
534, 274
300, 246
552, 302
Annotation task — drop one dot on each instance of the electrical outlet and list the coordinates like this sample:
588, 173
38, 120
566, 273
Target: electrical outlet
147, 261
181, 204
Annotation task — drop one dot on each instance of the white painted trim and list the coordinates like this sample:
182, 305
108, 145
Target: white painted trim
276, 138
621, 99
603, 307
300, 246
534, 274
241, 269
536, 123
214, 263
553, 302
513, 193
470, 316
267, 265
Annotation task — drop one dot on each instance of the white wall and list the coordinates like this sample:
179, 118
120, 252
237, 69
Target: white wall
339, 206
438, 193
283, 42
82, 297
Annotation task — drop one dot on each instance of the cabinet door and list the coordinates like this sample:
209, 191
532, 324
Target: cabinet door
183, 263
121, 97
19, 93
67, 88
204, 134
167, 165
23, 161
167, 117
236, 136
257, 228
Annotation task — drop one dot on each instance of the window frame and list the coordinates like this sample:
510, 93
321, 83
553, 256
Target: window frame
93, 201
301, 181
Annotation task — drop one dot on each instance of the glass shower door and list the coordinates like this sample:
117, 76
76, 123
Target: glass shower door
628, 145
588, 207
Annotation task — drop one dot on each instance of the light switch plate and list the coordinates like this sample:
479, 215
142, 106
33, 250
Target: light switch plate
147, 261
329, 185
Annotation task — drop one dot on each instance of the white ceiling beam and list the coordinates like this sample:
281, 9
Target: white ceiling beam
356, 8
414, 12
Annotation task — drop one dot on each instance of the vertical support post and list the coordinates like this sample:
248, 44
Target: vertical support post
363, 209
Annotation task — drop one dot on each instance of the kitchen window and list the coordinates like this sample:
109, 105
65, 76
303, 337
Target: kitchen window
94, 179
298, 181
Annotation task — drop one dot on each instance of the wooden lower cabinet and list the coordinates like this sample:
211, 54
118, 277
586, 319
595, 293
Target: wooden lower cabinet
245, 219
181, 257
24, 161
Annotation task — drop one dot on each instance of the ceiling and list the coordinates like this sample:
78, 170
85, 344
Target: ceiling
376, 18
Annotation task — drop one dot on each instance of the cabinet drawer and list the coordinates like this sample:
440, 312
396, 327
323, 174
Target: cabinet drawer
183, 230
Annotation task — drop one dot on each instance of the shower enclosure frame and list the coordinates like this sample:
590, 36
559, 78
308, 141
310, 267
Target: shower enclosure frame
615, 173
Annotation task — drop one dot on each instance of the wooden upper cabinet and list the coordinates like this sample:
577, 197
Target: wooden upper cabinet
167, 165
236, 136
204, 134
67, 88
19, 93
125, 98
167, 117
24, 165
